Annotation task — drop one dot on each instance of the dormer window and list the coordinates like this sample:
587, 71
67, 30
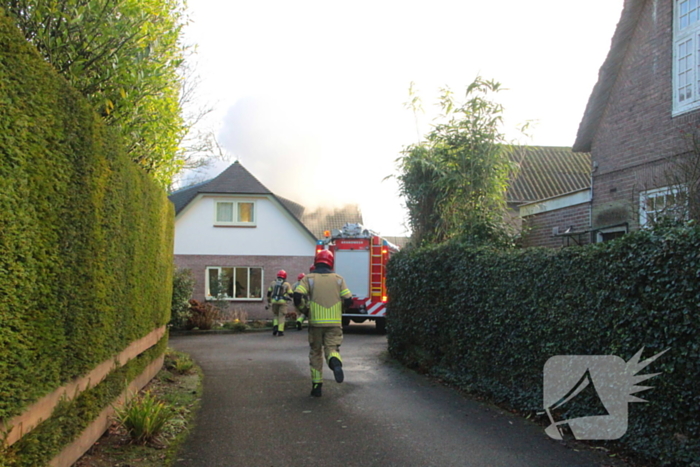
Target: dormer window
234, 213
686, 56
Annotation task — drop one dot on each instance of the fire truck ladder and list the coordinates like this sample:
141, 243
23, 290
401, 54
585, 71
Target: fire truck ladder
376, 269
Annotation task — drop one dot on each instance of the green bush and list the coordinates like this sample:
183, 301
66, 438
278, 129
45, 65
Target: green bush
488, 320
183, 286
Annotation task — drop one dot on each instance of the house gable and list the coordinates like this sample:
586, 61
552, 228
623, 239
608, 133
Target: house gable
281, 226
276, 232
608, 75
630, 127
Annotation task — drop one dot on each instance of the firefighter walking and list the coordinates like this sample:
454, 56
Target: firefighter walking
278, 294
326, 293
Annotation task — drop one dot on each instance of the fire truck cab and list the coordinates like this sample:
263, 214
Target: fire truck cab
361, 256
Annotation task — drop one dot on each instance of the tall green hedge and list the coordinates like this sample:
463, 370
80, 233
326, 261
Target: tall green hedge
85, 236
488, 321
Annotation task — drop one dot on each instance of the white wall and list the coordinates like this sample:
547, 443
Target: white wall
276, 232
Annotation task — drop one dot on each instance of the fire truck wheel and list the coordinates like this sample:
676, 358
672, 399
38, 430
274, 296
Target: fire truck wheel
381, 325
346, 321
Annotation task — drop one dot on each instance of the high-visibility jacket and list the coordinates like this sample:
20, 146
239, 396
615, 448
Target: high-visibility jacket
326, 293
304, 305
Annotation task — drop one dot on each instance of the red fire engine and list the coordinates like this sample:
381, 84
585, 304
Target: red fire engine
361, 257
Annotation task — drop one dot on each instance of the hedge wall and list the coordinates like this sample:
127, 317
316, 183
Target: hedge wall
86, 237
488, 321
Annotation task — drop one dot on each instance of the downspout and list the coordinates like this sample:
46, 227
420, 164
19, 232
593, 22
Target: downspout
590, 209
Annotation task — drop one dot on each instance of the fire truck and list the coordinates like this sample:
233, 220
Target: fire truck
361, 256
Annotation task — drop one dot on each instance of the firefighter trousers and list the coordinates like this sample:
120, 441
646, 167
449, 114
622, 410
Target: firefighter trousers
279, 312
323, 341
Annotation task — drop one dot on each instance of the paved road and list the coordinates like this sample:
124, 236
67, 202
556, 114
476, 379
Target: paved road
256, 411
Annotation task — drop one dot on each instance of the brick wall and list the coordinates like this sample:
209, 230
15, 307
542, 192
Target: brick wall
270, 264
637, 131
537, 228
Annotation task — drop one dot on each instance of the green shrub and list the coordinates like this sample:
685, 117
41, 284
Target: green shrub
488, 320
144, 417
183, 287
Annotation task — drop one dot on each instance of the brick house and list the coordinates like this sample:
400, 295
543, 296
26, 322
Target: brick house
232, 227
551, 195
639, 117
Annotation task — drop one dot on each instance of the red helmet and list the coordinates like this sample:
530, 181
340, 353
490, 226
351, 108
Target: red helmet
324, 257
301, 276
312, 268
282, 273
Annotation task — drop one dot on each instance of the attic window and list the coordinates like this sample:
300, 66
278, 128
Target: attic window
234, 213
686, 56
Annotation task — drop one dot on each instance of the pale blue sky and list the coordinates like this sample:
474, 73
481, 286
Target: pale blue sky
309, 94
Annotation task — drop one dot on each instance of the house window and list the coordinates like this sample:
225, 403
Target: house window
236, 213
234, 283
662, 202
610, 233
686, 56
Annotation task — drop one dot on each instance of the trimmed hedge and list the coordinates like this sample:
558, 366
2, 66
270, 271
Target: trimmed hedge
86, 237
488, 321
69, 420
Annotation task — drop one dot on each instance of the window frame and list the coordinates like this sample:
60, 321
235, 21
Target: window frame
658, 193
235, 213
690, 33
247, 298
619, 229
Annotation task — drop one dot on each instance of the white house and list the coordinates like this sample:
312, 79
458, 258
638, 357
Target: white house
232, 227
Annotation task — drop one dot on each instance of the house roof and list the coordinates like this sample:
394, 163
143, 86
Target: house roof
400, 242
331, 218
236, 179
547, 171
607, 75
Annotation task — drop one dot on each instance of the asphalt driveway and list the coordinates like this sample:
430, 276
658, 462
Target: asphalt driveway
256, 411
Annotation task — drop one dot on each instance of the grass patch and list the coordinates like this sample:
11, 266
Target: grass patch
178, 385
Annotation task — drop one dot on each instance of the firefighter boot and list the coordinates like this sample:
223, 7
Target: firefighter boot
337, 367
274, 330
298, 325
316, 389
280, 334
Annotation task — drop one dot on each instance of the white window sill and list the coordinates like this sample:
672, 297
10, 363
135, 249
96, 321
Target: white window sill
236, 225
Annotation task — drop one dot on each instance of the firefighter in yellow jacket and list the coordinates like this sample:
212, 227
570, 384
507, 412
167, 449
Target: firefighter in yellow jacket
278, 294
326, 293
